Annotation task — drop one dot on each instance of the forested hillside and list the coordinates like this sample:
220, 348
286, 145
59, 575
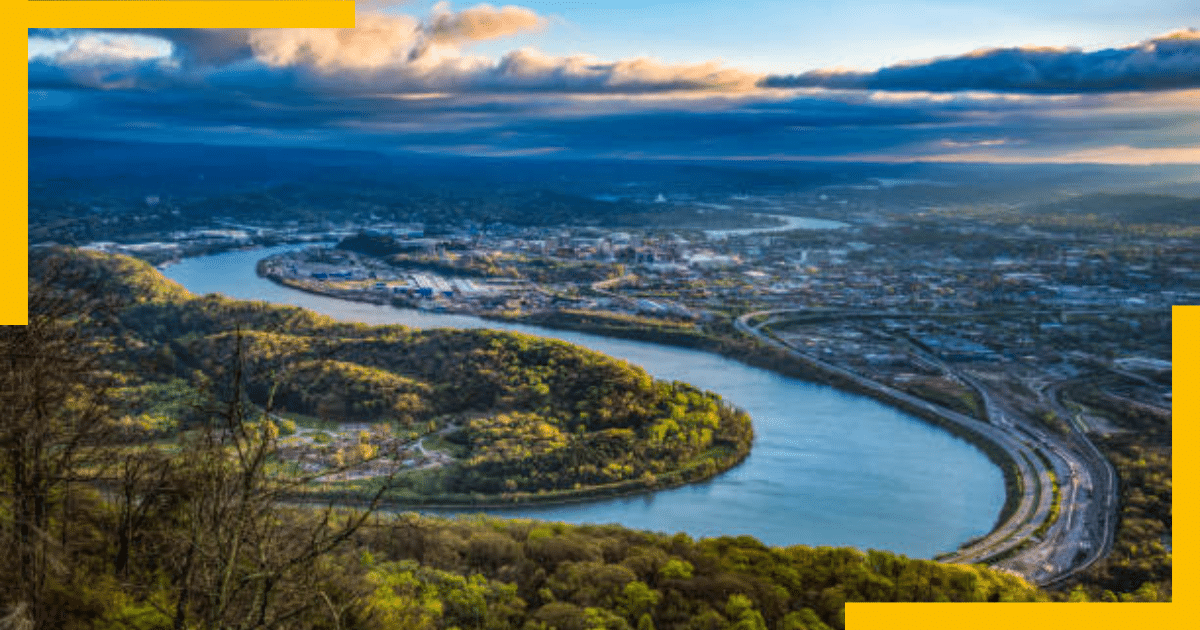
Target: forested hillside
145, 484
525, 415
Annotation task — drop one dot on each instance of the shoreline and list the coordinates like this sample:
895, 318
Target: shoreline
749, 352
696, 472
520, 500
813, 373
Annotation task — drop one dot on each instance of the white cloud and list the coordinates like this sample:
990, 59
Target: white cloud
1170, 61
377, 41
482, 21
95, 49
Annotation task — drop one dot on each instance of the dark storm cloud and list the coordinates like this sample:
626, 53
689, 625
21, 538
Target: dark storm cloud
400, 82
195, 46
784, 125
718, 133
50, 33
1168, 62
144, 75
811, 126
400, 53
44, 75
403, 54
205, 46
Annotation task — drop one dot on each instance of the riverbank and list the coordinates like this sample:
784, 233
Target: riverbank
745, 349
826, 468
354, 492
1037, 500
353, 296
713, 462
732, 344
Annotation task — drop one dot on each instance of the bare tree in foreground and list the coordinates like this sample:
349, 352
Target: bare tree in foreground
54, 419
204, 522
243, 560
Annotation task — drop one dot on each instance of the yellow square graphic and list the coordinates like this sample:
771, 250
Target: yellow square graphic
109, 14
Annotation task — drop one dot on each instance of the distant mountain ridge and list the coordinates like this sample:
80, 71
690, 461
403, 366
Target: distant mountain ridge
1131, 208
170, 166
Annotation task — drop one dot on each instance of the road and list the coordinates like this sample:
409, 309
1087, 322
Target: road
1034, 480
1078, 536
1087, 516
1100, 501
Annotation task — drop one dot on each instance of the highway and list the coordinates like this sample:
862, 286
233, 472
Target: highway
1083, 529
1086, 522
1100, 501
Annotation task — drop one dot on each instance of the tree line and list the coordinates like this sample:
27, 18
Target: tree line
104, 526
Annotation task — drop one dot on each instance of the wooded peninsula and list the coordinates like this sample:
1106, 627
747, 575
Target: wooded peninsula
149, 481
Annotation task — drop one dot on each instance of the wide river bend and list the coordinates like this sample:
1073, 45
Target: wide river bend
827, 468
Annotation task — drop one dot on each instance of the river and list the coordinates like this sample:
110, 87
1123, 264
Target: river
827, 468
789, 223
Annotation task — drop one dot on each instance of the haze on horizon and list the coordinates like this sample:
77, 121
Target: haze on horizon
769, 81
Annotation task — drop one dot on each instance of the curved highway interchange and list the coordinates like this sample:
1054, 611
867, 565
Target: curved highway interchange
1033, 541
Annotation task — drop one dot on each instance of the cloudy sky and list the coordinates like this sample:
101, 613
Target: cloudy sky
944, 80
